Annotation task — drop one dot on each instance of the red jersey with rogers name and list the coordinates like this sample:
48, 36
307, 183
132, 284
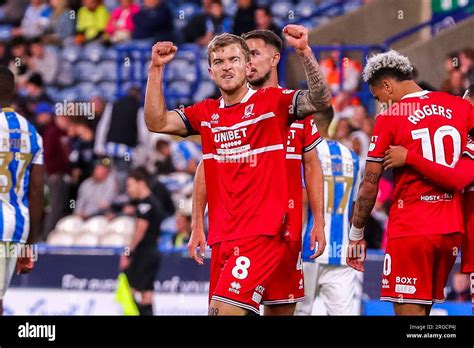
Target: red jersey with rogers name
303, 136
434, 124
244, 147
467, 249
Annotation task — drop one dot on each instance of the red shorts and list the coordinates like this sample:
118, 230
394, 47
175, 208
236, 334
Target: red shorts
287, 283
241, 270
416, 269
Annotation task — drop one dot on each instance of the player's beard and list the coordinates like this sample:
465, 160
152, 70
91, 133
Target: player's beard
259, 82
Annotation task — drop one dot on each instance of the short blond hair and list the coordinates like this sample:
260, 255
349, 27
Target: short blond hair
224, 40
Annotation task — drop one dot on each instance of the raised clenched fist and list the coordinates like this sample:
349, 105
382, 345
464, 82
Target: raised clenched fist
162, 53
296, 36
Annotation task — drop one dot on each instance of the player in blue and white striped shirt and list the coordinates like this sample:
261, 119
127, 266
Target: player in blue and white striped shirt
328, 276
21, 186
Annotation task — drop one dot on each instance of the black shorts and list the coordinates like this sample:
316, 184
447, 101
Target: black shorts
142, 271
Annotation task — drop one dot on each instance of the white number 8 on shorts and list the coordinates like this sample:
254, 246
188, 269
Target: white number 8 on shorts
240, 269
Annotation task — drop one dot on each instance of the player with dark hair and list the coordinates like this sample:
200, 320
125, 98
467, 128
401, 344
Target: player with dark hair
287, 288
457, 178
21, 186
243, 135
141, 259
425, 224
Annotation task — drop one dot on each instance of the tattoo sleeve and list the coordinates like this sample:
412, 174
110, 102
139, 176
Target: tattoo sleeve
366, 198
318, 95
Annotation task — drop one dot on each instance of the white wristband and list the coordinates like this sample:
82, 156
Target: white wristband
356, 233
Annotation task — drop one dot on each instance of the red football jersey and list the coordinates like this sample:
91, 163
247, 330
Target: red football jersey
467, 251
434, 124
244, 161
303, 136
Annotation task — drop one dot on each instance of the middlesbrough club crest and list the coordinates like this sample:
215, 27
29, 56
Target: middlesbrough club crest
248, 111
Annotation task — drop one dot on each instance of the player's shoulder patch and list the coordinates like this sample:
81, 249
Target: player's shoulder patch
287, 91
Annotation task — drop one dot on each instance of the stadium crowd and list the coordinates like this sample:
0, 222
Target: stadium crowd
87, 157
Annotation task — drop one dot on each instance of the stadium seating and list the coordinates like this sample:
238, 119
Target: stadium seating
97, 64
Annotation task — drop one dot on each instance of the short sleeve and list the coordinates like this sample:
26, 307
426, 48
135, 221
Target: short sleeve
192, 117
311, 135
38, 156
287, 102
381, 139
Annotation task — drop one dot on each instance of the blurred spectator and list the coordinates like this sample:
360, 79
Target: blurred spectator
62, 23
92, 19
35, 21
163, 195
162, 162
455, 84
331, 68
451, 62
358, 117
466, 60
117, 144
343, 131
344, 106
153, 21
44, 61
56, 163
13, 12
244, 19
264, 20
351, 69
121, 26
32, 94
460, 288
360, 144
183, 230
368, 125
97, 193
19, 61
98, 104
5, 56
186, 155
82, 150
423, 84
204, 26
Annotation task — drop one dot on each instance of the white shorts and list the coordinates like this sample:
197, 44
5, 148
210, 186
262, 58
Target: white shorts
338, 289
7, 267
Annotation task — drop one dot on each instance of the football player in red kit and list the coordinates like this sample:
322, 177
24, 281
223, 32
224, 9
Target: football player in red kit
457, 178
425, 224
243, 135
286, 288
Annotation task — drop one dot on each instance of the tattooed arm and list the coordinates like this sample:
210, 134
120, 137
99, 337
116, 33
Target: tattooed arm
369, 188
367, 194
318, 95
